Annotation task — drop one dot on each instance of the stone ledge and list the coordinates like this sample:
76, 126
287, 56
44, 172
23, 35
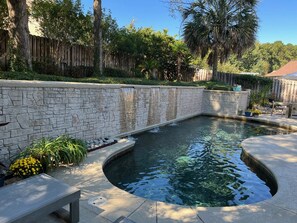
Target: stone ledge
289, 124
58, 84
227, 92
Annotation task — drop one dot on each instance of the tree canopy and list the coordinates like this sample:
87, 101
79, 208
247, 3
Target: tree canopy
152, 50
3, 14
221, 27
63, 20
264, 58
159, 55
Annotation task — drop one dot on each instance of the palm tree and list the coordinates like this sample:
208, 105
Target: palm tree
98, 62
180, 49
220, 27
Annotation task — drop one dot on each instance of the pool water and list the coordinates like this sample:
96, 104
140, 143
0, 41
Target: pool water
194, 163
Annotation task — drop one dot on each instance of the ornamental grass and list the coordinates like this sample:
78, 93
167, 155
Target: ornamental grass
54, 152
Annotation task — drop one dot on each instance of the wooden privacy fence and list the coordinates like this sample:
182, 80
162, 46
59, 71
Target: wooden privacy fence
207, 75
202, 75
227, 78
120, 62
54, 57
51, 56
246, 83
285, 90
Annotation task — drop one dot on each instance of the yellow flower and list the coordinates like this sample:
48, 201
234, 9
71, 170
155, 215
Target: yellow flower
26, 166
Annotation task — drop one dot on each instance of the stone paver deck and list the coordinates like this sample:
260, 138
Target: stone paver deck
102, 202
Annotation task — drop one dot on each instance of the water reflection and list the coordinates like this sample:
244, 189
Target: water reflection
195, 163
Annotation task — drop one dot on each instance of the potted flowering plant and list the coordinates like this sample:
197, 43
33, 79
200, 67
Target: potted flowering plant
256, 112
26, 167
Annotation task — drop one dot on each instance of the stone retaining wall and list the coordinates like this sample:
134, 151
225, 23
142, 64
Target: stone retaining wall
36, 109
88, 111
224, 102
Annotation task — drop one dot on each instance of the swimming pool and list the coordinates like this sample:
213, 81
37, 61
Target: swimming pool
195, 162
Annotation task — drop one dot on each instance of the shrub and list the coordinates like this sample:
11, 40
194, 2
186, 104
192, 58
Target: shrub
259, 97
53, 152
26, 167
71, 151
251, 82
111, 72
47, 67
215, 85
45, 151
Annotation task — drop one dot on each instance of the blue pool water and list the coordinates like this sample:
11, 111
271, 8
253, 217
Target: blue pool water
196, 162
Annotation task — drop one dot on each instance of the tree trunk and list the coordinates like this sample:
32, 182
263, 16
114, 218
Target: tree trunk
179, 75
98, 64
155, 73
18, 31
215, 61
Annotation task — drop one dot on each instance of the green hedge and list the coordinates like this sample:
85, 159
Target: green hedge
251, 82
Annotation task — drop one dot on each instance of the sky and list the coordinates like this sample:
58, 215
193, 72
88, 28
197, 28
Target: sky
278, 18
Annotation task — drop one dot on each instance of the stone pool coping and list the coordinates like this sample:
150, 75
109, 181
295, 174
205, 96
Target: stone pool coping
277, 153
63, 84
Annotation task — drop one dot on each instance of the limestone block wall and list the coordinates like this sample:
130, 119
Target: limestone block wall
224, 102
88, 111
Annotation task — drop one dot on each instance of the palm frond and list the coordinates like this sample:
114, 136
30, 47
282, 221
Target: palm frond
224, 26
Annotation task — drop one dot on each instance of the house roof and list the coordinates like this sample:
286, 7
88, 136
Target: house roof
289, 68
291, 76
